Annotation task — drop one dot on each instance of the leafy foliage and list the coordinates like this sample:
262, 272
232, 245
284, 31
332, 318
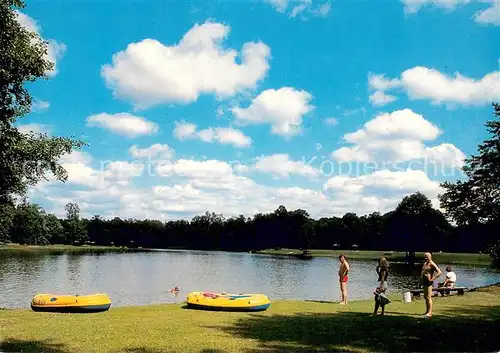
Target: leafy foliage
25, 159
29, 226
74, 227
477, 199
7, 213
494, 251
475, 202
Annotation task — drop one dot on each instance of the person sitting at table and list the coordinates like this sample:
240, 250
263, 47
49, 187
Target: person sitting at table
450, 280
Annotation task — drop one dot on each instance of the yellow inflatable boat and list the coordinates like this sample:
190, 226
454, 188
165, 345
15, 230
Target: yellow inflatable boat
71, 303
227, 302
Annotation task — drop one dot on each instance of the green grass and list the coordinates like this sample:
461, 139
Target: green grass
61, 249
441, 259
468, 323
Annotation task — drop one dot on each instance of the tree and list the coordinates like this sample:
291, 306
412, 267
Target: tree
416, 225
7, 213
72, 210
75, 229
474, 203
477, 199
29, 226
25, 159
55, 231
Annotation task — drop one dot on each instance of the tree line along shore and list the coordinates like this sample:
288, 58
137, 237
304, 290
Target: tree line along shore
414, 226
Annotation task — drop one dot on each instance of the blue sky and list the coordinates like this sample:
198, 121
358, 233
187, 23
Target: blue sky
340, 106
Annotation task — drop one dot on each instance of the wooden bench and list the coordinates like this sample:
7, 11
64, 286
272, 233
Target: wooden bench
440, 290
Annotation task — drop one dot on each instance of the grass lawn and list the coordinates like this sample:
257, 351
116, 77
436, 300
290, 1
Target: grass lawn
469, 323
60, 249
441, 259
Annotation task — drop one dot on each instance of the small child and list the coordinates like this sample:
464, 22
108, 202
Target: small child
380, 299
175, 289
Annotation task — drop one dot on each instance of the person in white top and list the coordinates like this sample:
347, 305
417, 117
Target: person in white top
450, 280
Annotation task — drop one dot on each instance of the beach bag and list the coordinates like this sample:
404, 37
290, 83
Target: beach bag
382, 299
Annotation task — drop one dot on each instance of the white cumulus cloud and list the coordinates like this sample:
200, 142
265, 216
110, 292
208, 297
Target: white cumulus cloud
426, 83
281, 166
222, 135
155, 151
283, 108
191, 187
379, 98
397, 137
149, 72
124, 124
384, 184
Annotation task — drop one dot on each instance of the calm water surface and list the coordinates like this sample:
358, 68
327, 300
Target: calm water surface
145, 277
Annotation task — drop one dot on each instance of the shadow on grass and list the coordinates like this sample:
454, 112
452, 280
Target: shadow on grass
458, 330
14, 345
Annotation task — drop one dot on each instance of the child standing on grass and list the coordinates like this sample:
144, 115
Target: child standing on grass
380, 298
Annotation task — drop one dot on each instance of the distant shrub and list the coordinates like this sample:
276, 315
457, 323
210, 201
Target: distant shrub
494, 252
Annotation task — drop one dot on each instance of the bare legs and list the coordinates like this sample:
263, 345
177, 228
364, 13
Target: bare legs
428, 306
343, 291
378, 305
428, 301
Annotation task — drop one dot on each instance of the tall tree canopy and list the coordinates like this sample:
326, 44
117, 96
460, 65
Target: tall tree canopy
475, 202
477, 199
24, 158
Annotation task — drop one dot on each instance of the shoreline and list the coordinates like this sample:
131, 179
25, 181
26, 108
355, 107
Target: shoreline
394, 257
394, 297
63, 248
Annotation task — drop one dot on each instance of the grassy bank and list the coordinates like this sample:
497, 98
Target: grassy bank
461, 323
60, 249
482, 260
441, 259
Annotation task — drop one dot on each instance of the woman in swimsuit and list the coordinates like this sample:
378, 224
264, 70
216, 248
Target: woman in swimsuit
430, 271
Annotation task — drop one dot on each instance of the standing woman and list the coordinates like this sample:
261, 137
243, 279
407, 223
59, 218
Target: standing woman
430, 272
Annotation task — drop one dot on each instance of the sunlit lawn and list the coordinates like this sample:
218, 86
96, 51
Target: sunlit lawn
461, 323
440, 258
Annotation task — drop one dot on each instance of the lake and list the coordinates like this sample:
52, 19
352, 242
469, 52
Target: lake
144, 278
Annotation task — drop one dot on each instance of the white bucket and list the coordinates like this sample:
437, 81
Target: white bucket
407, 297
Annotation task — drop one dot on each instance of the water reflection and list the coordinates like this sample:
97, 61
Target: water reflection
146, 277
